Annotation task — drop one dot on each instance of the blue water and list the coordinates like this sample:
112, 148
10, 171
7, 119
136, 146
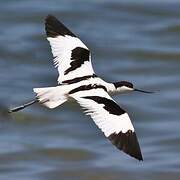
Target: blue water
134, 41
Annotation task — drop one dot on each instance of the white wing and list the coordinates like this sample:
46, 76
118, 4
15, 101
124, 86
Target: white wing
71, 56
110, 118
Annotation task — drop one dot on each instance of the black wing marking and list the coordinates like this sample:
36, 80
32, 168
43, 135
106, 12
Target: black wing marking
109, 104
128, 143
55, 28
78, 56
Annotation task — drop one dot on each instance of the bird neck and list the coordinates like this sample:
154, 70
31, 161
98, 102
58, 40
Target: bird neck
112, 89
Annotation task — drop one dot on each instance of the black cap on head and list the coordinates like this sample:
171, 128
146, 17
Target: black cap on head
123, 83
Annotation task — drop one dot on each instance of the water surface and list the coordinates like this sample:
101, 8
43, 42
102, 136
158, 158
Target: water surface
134, 41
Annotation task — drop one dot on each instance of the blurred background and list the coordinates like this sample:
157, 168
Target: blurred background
137, 41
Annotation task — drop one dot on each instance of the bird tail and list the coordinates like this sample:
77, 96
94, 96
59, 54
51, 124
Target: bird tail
50, 97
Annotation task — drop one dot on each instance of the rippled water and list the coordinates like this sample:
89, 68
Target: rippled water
134, 41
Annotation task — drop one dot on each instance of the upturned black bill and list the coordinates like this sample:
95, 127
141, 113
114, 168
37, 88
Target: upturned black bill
139, 90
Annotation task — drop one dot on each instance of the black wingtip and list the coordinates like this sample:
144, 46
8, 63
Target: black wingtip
55, 28
128, 143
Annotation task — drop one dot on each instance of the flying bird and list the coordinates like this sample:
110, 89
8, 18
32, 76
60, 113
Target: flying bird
77, 80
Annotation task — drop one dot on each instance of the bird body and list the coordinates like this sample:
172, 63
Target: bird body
55, 96
77, 80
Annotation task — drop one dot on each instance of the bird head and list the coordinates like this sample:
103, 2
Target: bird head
125, 86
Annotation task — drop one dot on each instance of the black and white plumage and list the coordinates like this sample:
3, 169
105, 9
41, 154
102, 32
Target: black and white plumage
71, 56
77, 80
